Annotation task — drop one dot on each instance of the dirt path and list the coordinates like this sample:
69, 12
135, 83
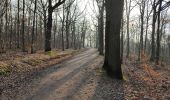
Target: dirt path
81, 78
61, 81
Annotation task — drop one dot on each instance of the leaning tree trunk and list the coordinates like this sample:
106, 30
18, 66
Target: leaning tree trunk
142, 10
6, 24
146, 36
67, 28
122, 39
18, 23
62, 33
169, 49
114, 10
128, 38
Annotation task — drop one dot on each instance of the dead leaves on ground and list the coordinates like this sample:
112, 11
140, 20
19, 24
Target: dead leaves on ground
15, 63
146, 81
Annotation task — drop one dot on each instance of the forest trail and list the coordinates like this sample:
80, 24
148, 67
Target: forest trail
54, 85
62, 81
78, 78
82, 78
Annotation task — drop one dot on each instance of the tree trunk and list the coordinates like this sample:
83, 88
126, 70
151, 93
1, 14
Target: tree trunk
73, 35
114, 9
6, 23
158, 34
128, 38
128, 11
62, 33
45, 25
122, 39
54, 33
48, 33
23, 27
142, 10
97, 37
146, 36
101, 32
67, 27
49, 23
153, 32
18, 24
169, 49
32, 41
147, 26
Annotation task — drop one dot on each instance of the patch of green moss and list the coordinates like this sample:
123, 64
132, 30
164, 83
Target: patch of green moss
100, 72
51, 53
4, 71
125, 78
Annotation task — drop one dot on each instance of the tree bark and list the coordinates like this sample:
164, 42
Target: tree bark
114, 9
23, 27
101, 30
158, 34
62, 31
49, 23
32, 41
122, 40
169, 49
153, 32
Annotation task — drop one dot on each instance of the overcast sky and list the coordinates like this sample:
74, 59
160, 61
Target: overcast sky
92, 9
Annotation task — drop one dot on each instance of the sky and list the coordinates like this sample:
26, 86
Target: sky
83, 4
91, 9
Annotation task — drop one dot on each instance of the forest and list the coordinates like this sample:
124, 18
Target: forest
84, 49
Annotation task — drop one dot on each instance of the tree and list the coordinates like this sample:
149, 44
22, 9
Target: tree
158, 32
32, 42
112, 64
154, 17
23, 27
142, 5
148, 13
49, 23
168, 40
101, 25
122, 39
62, 30
129, 8
157, 8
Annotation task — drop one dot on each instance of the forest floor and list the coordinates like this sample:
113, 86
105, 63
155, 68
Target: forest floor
80, 77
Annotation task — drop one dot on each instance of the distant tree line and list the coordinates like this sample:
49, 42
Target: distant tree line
31, 25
